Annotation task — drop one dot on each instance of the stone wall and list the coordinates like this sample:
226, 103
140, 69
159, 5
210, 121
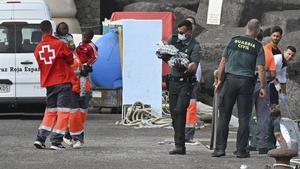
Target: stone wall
64, 12
88, 14
213, 39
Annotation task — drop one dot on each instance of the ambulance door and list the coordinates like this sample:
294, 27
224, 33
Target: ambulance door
27, 70
7, 63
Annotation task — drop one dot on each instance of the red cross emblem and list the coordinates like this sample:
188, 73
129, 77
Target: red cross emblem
47, 54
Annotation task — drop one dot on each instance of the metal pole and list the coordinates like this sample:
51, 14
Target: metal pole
214, 121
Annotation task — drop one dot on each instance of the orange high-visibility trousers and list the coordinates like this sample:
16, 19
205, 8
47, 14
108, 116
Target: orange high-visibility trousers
75, 123
55, 121
57, 112
61, 124
49, 119
78, 116
84, 115
191, 120
191, 114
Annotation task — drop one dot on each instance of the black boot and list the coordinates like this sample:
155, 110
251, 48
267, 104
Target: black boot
218, 153
178, 150
244, 154
263, 151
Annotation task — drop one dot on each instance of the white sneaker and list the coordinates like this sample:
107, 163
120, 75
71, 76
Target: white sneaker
68, 141
77, 144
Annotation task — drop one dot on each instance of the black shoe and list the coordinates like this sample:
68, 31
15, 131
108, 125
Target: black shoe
68, 135
263, 151
251, 148
39, 144
236, 152
242, 155
178, 150
57, 147
218, 153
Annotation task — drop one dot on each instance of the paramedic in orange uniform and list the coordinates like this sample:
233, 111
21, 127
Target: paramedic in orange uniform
54, 59
86, 54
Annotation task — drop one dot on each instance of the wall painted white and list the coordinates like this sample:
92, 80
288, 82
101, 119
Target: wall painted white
141, 68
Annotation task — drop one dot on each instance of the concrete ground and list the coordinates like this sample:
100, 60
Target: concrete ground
110, 146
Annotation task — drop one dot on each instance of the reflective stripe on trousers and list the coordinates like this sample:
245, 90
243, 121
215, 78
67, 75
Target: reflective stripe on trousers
56, 116
57, 123
78, 118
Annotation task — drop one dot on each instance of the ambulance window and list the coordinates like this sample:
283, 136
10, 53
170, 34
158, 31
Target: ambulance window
30, 37
4, 45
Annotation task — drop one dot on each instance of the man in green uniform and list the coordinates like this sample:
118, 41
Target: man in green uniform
181, 81
236, 75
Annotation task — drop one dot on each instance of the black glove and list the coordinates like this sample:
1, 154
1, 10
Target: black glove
84, 73
179, 66
166, 57
88, 68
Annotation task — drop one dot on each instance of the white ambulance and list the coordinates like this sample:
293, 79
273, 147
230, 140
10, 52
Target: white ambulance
19, 35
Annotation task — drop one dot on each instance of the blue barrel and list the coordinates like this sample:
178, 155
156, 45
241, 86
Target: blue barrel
107, 68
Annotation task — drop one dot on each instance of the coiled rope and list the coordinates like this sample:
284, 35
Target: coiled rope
139, 115
142, 116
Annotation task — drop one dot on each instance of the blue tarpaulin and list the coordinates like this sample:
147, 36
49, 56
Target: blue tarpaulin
107, 69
